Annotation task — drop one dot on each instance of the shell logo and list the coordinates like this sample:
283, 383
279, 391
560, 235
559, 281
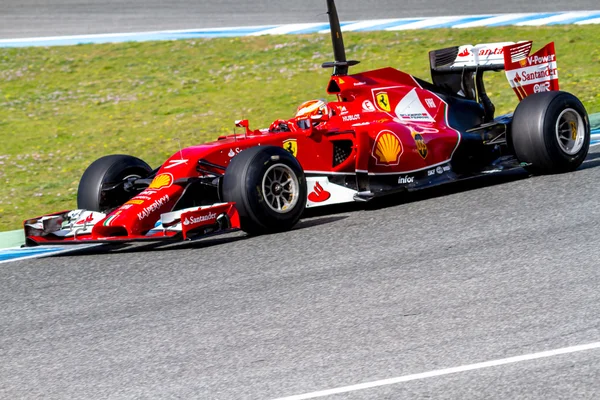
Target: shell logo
387, 148
161, 181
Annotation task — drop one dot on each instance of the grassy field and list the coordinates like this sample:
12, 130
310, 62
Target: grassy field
63, 107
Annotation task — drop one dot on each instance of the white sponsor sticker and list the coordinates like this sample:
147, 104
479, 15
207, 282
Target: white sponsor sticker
153, 207
368, 106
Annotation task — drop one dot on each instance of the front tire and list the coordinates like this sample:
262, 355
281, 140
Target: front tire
268, 187
551, 132
109, 172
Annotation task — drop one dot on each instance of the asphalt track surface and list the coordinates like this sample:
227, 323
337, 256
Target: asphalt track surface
30, 18
484, 270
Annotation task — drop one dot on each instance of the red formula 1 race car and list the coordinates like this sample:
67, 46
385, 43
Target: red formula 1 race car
387, 132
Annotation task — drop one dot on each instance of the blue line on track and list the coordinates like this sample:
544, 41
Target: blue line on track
15, 254
576, 19
461, 21
383, 26
373, 25
526, 18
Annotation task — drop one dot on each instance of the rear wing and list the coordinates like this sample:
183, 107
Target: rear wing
469, 58
460, 68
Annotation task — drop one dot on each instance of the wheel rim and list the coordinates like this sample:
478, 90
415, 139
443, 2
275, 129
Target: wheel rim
280, 188
570, 131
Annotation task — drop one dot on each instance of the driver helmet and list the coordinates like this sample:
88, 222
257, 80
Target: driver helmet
315, 110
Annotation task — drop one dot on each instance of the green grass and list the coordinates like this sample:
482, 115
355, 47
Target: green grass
63, 107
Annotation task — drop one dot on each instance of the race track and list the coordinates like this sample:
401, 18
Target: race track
28, 18
493, 268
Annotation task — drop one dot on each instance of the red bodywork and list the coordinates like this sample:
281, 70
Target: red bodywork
395, 128
384, 142
387, 131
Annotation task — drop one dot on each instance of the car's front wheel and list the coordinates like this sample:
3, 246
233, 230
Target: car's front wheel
268, 187
550, 132
102, 186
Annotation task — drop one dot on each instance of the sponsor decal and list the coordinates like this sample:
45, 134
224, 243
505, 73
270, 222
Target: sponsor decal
85, 220
410, 108
340, 80
446, 168
482, 50
415, 116
211, 216
318, 195
439, 170
368, 106
153, 207
174, 163
291, 146
528, 74
406, 179
421, 146
491, 51
161, 181
535, 60
359, 83
541, 87
387, 148
430, 103
135, 201
343, 110
383, 101
431, 172
354, 117
549, 71
234, 152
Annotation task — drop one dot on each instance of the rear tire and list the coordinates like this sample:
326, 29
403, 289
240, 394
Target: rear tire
109, 171
268, 187
551, 132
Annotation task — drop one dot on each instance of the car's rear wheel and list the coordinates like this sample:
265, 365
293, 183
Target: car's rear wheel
102, 186
551, 132
268, 187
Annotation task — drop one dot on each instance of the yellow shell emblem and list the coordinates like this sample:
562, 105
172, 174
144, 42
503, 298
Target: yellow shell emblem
135, 201
387, 149
161, 181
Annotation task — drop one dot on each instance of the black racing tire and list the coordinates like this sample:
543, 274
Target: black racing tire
542, 132
107, 171
251, 181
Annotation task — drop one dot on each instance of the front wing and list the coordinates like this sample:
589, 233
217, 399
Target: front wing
77, 226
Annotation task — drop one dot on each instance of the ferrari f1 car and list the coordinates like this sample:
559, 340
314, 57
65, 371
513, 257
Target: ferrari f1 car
386, 132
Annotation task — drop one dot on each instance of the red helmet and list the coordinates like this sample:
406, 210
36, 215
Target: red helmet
316, 110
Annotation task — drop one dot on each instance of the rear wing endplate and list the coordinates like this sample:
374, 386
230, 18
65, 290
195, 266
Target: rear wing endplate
456, 68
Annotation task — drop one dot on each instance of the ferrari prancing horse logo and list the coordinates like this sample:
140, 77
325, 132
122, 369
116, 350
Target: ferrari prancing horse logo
383, 101
291, 145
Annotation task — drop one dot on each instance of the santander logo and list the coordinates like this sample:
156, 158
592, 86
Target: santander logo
318, 195
200, 219
86, 220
